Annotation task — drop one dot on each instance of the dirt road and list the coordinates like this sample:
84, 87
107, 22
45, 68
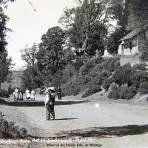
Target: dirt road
92, 114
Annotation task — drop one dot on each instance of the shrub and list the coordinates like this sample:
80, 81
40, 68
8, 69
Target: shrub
10, 89
70, 88
143, 87
9, 130
138, 77
140, 67
122, 92
131, 92
97, 69
91, 90
78, 63
144, 56
122, 75
4, 93
106, 84
111, 64
113, 91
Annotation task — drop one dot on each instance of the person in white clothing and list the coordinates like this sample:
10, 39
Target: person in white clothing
32, 95
16, 94
27, 94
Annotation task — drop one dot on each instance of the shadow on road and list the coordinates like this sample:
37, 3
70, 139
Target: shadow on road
27, 103
109, 131
70, 102
66, 119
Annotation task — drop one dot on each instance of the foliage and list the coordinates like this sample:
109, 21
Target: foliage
29, 55
114, 40
70, 88
138, 11
113, 92
131, 92
5, 62
143, 88
8, 130
10, 89
4, 93
50, 57
140, 67
106, 84
122, 91
86, 26
31, 78
138, 77
111, 64
122, 75
92, 74
5, 68
91, 90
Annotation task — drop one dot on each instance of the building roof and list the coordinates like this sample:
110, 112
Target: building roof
131, 34
134, 32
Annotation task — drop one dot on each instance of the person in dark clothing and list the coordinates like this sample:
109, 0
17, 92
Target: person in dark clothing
59, 93
49, 103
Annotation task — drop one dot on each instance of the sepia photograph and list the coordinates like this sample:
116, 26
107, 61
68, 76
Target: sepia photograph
74, 73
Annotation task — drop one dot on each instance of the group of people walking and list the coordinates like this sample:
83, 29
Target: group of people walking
19, 95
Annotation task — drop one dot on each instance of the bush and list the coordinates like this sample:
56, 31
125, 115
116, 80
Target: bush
4, 93
122, 92
70, 88
138, 77
143, 87
106, 84
122, 75
10, 89
144, 56
140, 67
111, 64
91, 90
78, 63
131, 92
113, 91
9, 130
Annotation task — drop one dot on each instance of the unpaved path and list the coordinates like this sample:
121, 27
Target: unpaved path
85, 115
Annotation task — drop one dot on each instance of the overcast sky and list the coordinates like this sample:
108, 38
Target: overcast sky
28, 25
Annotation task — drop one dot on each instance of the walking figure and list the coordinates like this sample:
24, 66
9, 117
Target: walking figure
49, 103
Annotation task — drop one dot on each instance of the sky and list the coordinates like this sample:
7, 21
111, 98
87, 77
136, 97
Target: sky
29, 22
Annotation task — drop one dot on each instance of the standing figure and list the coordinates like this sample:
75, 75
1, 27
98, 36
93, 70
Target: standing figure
49, 103
21, 95
32, 95
27, 94
59, 93
16, 94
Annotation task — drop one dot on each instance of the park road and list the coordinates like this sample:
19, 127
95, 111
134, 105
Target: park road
76, 114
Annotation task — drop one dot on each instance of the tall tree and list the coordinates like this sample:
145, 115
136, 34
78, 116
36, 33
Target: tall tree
31, 75
5, 62
29, 55
87, 23
138, 13
50, 58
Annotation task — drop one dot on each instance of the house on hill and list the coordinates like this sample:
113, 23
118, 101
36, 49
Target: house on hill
133, 42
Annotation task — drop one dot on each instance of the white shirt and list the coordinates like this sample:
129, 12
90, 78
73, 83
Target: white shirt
27, 93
